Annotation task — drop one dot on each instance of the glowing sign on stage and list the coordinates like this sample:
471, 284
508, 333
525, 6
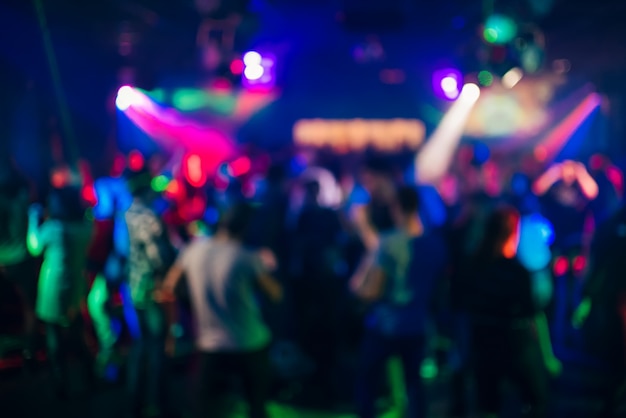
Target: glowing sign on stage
513, 107
351, 135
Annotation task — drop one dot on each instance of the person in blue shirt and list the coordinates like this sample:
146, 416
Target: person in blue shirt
399, 288
106, 260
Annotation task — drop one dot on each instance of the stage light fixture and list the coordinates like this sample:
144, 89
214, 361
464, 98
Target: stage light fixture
125, 98
446, 83
470, 93
252, 58
449, 85
254, 72
258, 70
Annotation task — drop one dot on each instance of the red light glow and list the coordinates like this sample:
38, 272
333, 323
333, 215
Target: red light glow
119, 163
616, 177
89, 194
58, 179
561, 266
579, 264
596, 162
135, 160
237, 66
193, 209
240, 166
221, 85
194, 172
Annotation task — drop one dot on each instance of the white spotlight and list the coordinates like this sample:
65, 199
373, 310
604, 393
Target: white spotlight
512, 77
125, 98
254, 72
470, 93
449, 84
252, 58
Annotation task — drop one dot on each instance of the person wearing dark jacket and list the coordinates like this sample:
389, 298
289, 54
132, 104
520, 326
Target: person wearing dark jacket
605, 288
510, 336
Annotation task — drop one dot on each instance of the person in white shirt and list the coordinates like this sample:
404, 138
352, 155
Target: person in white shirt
231, 335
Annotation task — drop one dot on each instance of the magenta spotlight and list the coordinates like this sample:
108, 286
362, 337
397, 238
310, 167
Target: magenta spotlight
447, 83
258, 70
125, 98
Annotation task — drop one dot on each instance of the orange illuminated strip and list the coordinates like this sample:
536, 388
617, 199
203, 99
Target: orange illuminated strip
360, 134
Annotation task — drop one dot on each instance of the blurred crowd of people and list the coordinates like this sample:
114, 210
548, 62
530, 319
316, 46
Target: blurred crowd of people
372, 274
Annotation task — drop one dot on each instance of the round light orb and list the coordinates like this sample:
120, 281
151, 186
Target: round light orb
253, 72
449, 84
470, 92
125, 98
252, 58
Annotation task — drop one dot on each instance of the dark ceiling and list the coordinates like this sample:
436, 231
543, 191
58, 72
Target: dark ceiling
85, 33
589, 33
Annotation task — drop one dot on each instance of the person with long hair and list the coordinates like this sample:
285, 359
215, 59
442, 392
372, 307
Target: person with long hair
60, 239
510, 335
605, 291
17, 269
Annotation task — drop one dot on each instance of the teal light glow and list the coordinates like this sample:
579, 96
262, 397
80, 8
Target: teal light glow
189, 100
499, 29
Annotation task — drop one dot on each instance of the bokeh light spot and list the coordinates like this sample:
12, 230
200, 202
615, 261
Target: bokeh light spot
252, 58
135, 160
237, 66
159, 183
125, 98
485, 78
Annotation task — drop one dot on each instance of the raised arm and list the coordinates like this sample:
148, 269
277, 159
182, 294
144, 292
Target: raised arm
588, 185
364, 228
371, 289
547, 180
369, 280
172, 278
